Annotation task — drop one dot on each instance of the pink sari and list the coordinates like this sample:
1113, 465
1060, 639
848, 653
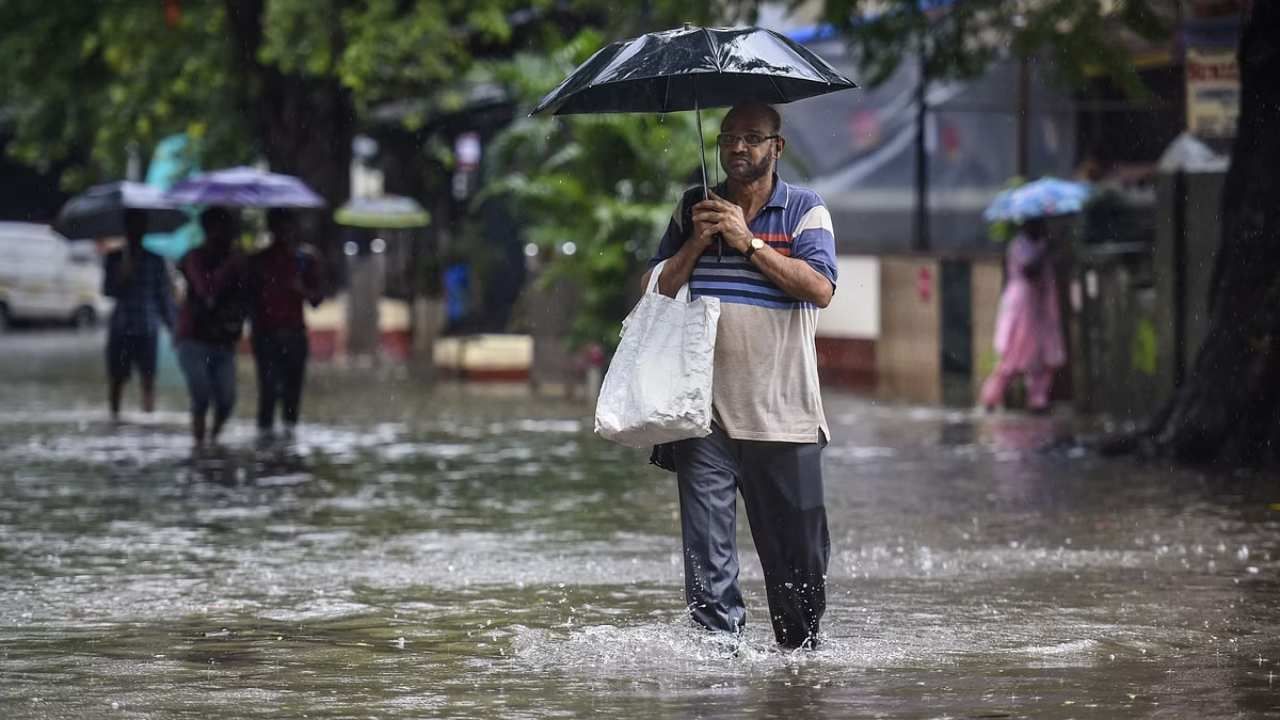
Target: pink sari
1028, 328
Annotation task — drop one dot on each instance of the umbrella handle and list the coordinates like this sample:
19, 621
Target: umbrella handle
702, 153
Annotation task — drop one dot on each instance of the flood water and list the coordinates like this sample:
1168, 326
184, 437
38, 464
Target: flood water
471, 552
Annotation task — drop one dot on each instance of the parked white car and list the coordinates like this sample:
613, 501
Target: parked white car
44, 277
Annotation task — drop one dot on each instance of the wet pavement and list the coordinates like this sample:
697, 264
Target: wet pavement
471, 552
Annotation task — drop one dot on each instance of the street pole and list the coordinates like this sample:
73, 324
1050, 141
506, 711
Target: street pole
1022, 161
920, 239
133, 164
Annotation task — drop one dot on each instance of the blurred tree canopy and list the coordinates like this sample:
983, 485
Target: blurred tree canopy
84, 81
961, 38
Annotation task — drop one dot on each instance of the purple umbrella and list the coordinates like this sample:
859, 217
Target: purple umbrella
244, 187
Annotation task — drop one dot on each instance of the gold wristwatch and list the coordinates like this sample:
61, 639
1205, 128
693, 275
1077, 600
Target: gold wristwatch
756, 244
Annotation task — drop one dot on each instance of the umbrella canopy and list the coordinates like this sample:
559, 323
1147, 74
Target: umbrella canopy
1040, 198
245, 187
693, 68
390, 212
99, 211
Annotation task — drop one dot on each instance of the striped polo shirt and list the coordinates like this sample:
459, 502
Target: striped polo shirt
765, 383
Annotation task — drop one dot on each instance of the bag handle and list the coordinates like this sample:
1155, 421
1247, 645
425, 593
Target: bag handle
682, 295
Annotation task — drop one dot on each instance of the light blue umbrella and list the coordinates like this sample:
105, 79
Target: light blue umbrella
1045, 197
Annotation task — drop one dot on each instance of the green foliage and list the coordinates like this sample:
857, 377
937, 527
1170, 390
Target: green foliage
606, 183
102, 76
300, 36
394, 49
1076, 36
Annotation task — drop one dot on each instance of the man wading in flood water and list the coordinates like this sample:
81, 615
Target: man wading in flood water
778, 268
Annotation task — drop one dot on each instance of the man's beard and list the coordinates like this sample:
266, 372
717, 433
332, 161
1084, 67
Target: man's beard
749, 172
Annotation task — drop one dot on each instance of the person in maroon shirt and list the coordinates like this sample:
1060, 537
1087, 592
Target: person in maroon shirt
282, 278
211, 320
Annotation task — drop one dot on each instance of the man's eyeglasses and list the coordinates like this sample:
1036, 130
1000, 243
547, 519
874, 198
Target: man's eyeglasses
728, 140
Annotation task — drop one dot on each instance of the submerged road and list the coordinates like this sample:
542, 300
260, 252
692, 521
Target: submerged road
472, 552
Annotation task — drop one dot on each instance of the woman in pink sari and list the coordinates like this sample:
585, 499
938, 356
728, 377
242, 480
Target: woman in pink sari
1028, 331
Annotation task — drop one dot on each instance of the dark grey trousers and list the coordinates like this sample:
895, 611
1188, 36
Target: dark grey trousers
281, 358
781, 485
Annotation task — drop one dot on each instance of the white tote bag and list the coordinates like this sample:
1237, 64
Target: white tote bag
658, 387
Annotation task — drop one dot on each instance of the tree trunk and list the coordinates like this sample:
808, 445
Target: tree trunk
1227, 409
305, 123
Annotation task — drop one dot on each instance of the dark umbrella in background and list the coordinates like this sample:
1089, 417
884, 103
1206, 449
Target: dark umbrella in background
690, 69
99, 211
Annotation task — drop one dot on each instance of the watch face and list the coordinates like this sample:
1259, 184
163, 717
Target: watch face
757, 243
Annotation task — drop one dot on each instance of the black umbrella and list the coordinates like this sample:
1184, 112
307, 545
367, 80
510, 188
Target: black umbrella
99, 211
693, 68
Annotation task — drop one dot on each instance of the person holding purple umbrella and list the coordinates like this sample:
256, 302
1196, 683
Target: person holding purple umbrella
211, 321
218, 278
282, 278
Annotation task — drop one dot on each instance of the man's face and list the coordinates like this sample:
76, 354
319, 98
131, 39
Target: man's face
741, 160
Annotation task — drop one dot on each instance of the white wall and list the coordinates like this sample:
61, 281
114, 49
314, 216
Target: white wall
854, 312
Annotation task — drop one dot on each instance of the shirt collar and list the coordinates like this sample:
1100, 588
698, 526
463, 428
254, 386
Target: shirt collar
781, 193
779, 199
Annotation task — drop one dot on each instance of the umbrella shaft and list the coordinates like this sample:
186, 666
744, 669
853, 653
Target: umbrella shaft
702, 144
702, 153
